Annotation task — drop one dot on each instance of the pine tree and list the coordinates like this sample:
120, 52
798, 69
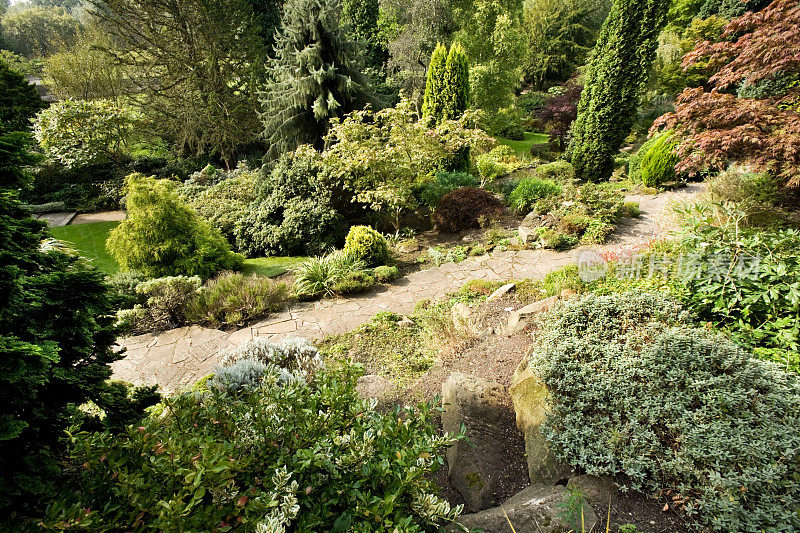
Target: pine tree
435, 83
456, 75
615, 75
315, 77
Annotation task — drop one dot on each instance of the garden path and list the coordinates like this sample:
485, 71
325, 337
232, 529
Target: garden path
177, 358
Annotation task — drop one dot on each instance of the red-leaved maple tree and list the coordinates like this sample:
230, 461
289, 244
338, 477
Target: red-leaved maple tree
716, 126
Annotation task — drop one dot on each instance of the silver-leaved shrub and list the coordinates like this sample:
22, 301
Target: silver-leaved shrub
641, 394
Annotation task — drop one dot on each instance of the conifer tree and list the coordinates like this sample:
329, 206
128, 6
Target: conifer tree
435, 83
57, 336
456, 90
314, 77
616, 73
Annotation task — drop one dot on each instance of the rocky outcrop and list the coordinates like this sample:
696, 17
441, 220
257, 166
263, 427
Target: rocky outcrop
476, 468
529, 396
521, 317
527, 227
537, 509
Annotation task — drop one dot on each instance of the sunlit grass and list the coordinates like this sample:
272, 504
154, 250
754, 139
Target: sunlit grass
523, 147
89, 240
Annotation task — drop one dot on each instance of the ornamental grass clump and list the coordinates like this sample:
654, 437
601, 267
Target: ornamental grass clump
638, 392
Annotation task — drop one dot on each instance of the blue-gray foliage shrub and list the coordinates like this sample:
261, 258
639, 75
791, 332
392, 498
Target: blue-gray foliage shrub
296, 355
242, 376
637, 392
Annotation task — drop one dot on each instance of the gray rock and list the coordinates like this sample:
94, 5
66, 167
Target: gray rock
377, 387
502, 291
529, 395
476, 468
520, 318
598, 490
526, 228
536, 509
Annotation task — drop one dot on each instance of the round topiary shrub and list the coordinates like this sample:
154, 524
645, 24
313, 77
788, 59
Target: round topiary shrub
529, 190
654, 163
365, 244
638, 393
385, 274
464, 208
557, 170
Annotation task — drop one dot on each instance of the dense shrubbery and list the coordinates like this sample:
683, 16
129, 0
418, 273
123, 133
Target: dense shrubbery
222, 198
56, 339
639, 394
759, 197
162, 236
747, 281
498, 162
367, 245
289, 454
159, 303
529, 190
465, 208
654, 163
294, 213
78, 133
444, 182
235, 299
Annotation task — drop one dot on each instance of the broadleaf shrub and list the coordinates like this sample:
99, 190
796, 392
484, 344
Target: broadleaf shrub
464, 208
289, 455
294, 212
162, 236
78, 133
499, 161
637, 392
367, 245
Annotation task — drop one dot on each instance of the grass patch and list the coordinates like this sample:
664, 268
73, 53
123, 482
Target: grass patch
271, 266
89, 240
523, 147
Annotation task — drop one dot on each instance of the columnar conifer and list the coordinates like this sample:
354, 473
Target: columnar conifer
616, 73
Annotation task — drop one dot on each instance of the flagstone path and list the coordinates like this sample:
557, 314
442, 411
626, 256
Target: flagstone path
177, 358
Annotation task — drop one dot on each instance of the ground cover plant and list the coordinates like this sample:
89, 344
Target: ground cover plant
641, 393
219, 445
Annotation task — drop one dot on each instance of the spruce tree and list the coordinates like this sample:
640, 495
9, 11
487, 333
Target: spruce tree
314, 77
615, 75
435, 83
456, 91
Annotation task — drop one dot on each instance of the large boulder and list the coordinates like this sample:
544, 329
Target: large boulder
477, 468
597, 490
528, 226
537, 509
529, 396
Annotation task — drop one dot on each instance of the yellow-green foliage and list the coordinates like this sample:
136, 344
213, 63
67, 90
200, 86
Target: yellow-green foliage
654, 163
162, 236
367, 245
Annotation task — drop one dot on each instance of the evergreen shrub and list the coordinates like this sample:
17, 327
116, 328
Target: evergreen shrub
367, 245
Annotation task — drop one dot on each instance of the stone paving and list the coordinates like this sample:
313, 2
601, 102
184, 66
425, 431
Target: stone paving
177, 358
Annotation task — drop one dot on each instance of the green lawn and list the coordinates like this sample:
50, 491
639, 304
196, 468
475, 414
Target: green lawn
89, 240
271, 266
523, 147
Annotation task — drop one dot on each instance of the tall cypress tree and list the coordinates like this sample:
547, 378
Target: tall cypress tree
435, 83
314, 77
618, 69
456, 91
